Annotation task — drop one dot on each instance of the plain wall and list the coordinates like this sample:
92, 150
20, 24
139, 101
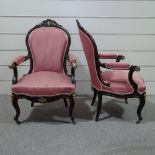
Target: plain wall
124, 27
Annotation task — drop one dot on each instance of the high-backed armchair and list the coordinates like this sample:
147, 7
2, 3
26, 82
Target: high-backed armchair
119, 80
47, 80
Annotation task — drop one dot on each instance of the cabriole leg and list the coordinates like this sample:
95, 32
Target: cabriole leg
32, 104
140, 107
94, 98
16, 107
126, 100
65, 102
72, 103
99, 106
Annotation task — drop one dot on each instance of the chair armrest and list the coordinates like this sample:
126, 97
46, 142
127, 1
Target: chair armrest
18, 60
14, 65
72, 59
103, 55
119, 66
124, 66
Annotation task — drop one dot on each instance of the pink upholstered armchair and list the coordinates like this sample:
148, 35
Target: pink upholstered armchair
118, 80
47, 80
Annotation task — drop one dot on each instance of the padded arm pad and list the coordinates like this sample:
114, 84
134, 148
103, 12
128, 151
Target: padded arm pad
120, 66
103, 55
117, 65
19, 59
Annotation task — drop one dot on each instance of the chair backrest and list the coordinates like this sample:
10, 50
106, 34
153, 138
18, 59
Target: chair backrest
48, 45
91, 53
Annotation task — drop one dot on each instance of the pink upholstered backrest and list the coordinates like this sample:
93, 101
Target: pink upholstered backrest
48, 46
89, 53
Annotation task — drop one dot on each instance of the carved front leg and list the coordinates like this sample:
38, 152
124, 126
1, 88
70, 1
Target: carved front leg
72, 103
140, 108
16, 107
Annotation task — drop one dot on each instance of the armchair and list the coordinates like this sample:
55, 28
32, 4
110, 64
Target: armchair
118, 80
47, 80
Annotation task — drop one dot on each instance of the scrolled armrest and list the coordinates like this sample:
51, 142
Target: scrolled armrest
118, 57
14, 65
18, 60
124, 66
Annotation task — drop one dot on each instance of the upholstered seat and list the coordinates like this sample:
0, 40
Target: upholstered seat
119, 83
44, 83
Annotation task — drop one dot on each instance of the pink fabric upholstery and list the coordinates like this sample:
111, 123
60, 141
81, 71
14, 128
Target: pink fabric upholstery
89, 53
19, 59
118, 79
72, 58
44, 83
117, 65
107, 55
119, 82
48, 46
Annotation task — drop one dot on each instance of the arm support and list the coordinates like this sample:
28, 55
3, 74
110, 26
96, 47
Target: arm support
72, 60
123, 66
103, 55
14, 65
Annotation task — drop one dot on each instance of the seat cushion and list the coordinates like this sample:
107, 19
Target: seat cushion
120, 83
44, 83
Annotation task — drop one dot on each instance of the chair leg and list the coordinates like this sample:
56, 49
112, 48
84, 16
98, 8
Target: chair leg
16, 107
65, 102
140, 107
99, 106
72, 103
126, 100
32, 104
94, 98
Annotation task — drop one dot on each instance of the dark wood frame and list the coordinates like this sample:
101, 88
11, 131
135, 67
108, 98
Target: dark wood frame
99, 93
44, 99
